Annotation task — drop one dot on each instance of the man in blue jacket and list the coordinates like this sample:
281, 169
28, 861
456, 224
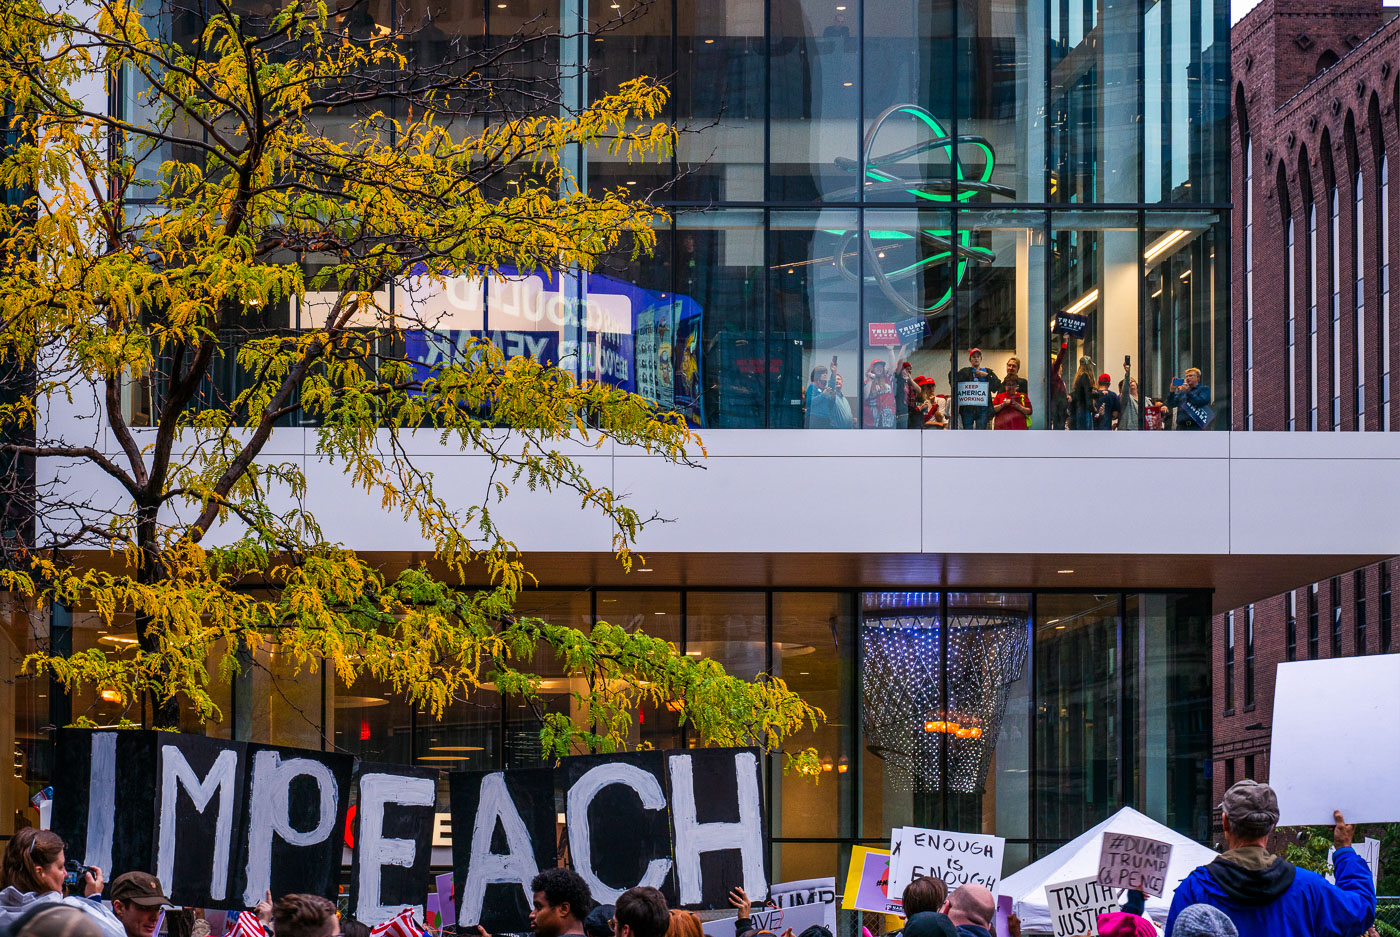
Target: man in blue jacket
1267, 896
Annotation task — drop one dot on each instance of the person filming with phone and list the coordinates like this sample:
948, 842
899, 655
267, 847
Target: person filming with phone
827, 407
1191, 401
36, 870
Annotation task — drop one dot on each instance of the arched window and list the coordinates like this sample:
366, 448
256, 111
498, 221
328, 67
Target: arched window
1311, 267
1385, 293
1290, 268
1358, 253
1325, 61
1248, 283
1334, 249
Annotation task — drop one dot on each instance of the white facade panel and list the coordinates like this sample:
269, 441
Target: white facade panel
850, 492
790, 504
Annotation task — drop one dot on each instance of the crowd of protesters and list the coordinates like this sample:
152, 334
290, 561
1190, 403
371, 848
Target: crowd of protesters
1245, 892
894, 397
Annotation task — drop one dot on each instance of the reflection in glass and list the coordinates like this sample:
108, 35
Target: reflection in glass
812, 635
814, 313
719, 101
730, 627
719, 265
657, 614
814, 102
1078, 740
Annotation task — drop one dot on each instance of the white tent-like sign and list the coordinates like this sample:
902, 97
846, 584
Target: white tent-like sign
1079, 859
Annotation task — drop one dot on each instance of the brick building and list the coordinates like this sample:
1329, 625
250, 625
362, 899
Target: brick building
1316, 113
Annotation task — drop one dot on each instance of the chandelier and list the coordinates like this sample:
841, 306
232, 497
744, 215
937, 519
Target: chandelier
927, 737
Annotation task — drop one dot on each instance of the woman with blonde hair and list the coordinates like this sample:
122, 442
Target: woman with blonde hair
1081, 397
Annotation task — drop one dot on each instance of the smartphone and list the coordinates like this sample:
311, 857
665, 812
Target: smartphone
1127, 361
833, 362
1178, 381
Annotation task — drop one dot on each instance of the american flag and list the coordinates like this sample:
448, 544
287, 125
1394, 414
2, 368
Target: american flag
247, 925
402, 924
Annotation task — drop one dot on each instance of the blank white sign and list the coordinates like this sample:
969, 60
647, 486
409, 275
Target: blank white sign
1336, 740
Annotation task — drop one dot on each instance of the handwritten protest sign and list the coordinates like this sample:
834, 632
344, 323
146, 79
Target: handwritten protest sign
868, 882
796, 905
957, 858
896, 857
1075, 906
1134, 862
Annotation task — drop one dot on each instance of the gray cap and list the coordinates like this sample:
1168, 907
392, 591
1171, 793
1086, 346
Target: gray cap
1252, 807
1203, 920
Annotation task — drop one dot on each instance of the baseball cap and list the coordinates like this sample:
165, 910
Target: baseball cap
1105, 379
140, 888
1252, 806
974, 351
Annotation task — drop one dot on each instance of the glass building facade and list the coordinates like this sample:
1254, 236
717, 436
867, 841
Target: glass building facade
1028, 715
861, 183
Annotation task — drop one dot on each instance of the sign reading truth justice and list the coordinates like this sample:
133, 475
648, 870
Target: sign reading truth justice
222, 822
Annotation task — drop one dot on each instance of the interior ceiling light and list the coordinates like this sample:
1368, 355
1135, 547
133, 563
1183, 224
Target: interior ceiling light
1084, 302
1160, 246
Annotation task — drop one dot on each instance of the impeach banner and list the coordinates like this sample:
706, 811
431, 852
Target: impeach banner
222, 822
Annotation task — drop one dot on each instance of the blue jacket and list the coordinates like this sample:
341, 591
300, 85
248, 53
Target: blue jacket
1283, 900
1198, 399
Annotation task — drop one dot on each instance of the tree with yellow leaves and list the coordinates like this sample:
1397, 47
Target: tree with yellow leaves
305, 157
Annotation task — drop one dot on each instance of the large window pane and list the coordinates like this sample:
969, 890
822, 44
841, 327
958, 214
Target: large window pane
719, 266
719, 100
1001, 94
815, 97
625, 49
1170, 690
1095, 78
1094, 264
730, 627
657, 614
812, 635
1184, 310
1077, 734
909, 88
814, 262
